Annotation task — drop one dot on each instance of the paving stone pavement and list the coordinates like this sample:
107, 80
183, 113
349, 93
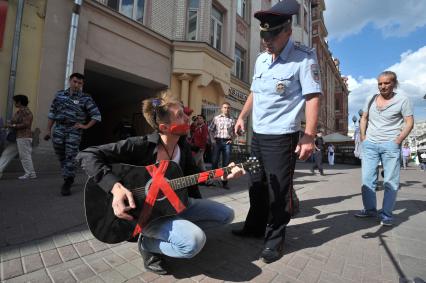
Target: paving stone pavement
44, 238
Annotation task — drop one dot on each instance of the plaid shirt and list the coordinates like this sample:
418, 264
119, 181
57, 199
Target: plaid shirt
222, 127
23, 119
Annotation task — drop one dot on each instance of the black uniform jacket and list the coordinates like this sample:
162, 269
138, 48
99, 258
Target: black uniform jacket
139, 151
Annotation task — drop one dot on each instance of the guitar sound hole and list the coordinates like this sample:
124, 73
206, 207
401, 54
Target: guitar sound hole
160, 195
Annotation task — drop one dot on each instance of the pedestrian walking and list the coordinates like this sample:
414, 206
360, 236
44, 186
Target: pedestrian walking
286, 80
21, 125
221, 131
330, 153
69, 111
406, 152
384, 115
319, 149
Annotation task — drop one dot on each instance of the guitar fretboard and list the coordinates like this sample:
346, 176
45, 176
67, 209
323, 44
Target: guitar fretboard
191, 180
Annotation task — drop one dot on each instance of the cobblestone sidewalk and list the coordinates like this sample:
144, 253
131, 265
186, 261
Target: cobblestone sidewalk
43, 237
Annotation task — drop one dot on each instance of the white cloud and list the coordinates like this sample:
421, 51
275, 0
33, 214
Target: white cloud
392, 17
411, 72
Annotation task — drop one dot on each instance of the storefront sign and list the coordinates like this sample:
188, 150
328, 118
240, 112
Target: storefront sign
236, 95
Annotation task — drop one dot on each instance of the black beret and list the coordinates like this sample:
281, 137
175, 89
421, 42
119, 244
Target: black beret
278, 14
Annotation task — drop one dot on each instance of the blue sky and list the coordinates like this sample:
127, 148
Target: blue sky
370, 36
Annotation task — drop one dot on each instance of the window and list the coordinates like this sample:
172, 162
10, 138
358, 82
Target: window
337, 104
133, 9
216, 29
113, 4
305, 20
239, 63
296, 19
241, 8
193, 8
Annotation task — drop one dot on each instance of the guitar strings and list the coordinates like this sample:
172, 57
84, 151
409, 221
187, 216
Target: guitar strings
175, 182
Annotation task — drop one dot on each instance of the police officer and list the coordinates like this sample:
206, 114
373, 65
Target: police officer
69, 112
286, 81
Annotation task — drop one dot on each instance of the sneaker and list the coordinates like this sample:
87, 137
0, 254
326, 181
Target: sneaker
386, 222
364, 213
27, 176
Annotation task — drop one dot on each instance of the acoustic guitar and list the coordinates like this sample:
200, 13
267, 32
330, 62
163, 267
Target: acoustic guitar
108, 228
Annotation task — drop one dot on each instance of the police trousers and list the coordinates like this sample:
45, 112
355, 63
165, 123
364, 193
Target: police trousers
270, 191
66, 142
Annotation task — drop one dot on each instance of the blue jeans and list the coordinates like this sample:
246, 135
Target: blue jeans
390, 155
181, 236
221, 146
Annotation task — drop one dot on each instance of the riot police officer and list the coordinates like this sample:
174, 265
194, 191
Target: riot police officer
69, 112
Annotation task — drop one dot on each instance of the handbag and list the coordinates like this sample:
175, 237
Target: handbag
11, 135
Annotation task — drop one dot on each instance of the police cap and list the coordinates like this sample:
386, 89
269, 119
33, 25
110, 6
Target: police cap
278, 15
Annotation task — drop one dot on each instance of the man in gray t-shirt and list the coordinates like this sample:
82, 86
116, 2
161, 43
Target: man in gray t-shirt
384, 124
386, 121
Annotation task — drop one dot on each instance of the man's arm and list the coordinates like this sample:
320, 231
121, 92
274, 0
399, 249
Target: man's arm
306, 143
409, 123
87, 126
363, 125
94, 114
212, 130
248, 106
48, 133
27, 120
96, 162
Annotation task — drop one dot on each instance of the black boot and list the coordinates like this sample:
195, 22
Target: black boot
151, 261
269, 255
66, 187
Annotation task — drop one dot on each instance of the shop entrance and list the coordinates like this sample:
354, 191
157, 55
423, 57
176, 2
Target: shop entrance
119, 102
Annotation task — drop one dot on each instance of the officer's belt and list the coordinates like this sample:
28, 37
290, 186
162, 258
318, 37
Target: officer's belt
65, 123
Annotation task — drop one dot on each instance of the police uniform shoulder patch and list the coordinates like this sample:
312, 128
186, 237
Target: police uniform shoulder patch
303, 48
315, 72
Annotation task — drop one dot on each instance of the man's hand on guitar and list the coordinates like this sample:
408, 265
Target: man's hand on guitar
236, 172
120, 196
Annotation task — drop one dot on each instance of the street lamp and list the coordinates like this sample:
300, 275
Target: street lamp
354, 119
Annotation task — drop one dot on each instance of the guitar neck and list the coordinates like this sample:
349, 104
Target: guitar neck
191, 180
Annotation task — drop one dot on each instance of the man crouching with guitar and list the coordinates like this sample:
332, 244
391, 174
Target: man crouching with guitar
179, 235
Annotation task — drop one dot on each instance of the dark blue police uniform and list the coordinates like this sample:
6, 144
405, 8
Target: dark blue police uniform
66, 110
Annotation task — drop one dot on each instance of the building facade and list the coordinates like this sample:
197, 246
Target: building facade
203, 50
333, 116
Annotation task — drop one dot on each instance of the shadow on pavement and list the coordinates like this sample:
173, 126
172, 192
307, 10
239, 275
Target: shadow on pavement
224, 257
334, 225
34, 209
308, 207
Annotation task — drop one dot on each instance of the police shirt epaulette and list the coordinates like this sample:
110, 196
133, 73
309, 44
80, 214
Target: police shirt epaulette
59, 92
303, 48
